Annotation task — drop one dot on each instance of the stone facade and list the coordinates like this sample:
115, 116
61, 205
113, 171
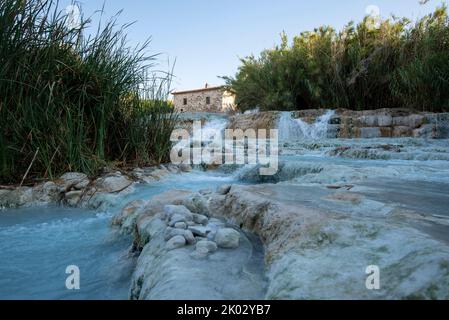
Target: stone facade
208, 99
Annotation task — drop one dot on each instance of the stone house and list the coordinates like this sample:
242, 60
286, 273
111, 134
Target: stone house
207, 99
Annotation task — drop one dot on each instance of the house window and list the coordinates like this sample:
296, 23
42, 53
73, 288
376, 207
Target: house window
207, 100
185, 101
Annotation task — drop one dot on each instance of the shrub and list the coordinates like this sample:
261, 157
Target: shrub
398, 64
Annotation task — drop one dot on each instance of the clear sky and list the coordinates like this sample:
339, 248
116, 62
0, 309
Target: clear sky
207, 37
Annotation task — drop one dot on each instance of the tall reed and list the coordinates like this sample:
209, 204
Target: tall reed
76, 98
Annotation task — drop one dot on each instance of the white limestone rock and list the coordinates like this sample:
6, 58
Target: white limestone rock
112, 183
73, 198
173, 232
200, 219
176, 242
209, 246
227, 238
73, 180
178, 210
16, 198
180, 225
201, 231
177, 218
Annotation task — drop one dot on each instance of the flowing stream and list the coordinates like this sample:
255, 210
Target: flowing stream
294, 129
37, 244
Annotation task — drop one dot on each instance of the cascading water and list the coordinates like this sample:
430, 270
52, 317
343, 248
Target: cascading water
213, 128
294, 129
351, 179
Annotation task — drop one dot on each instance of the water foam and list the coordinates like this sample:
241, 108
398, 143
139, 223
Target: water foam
293, 129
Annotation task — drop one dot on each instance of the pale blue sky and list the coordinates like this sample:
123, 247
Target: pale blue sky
207, 37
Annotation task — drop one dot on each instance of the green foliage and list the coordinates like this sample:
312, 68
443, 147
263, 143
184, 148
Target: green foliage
77, 101
398, 64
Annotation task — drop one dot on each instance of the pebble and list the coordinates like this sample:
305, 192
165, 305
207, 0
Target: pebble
200, 219
190, 238
180, 225
171, 210
176, 218
186, 234
200, 230
176, 242
210, 246
227, 238
171, 232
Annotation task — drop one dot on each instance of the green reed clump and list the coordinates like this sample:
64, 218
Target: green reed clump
74, 102
396, 64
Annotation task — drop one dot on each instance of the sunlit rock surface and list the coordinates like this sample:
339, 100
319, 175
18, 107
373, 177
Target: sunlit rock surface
315, 252
334, 208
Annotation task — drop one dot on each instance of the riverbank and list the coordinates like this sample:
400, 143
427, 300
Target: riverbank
75, 189
334, 208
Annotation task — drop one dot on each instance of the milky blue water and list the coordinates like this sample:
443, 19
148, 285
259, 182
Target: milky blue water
37, 244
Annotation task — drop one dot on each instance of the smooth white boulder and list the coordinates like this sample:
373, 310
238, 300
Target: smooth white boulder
227, 238
173, 232
209, 246
180, 225
200, 230
180, 210
112, 183
175, 243
188, 235
73, 179
200, 219
177, 218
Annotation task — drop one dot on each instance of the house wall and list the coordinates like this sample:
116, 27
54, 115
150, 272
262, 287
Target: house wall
196, 101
